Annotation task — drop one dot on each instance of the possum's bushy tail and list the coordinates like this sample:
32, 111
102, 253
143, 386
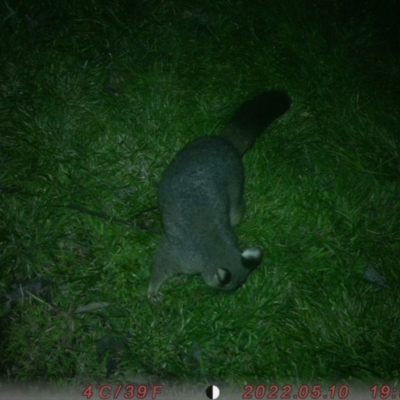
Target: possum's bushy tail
253, 117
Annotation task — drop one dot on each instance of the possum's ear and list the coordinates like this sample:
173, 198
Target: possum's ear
224, 276
221, 278
252, 257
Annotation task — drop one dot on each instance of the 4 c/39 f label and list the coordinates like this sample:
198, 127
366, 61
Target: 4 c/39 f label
303, 392
122, 391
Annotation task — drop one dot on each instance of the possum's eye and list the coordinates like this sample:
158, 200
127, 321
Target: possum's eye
252, 257
224, 276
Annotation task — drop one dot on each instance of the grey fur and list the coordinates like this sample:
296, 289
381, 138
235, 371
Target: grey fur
201, 200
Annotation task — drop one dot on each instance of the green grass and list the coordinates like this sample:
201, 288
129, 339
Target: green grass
322, 191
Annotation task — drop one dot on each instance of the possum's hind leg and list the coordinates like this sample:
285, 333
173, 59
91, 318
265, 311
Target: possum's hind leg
237, 210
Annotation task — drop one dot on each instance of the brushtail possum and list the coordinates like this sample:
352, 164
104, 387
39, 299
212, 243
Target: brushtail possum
201, 199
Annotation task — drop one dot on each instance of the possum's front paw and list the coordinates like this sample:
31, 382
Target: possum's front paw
155, 297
